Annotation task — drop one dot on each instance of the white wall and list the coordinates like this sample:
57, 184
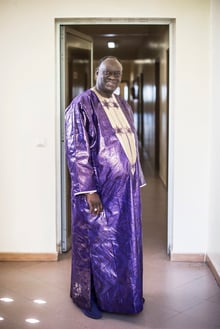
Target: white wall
214, 218
191, 117
29, 114
28, 218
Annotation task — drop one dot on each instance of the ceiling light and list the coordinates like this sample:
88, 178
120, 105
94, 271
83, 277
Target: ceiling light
157, 45
111, 44
1, 318
144, 61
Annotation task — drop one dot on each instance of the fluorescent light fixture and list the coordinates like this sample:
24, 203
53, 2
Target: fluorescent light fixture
157, 45
144, 61
111, 44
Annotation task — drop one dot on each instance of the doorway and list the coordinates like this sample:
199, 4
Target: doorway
142, 49
76, 76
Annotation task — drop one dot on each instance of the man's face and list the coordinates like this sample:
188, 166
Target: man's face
108, 76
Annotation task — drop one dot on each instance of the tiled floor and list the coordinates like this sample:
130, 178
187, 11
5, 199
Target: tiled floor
178, 295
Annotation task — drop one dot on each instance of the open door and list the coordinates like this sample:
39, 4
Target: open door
76, 76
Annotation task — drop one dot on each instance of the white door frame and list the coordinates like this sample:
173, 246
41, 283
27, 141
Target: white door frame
125, 21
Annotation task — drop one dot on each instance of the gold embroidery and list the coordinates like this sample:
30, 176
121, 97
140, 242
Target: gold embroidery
120, 125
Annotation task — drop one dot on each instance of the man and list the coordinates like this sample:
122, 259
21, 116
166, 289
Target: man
103, 161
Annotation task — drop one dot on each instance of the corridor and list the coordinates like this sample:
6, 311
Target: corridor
178, 295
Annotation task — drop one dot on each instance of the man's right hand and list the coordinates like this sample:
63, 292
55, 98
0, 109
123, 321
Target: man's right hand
95, 204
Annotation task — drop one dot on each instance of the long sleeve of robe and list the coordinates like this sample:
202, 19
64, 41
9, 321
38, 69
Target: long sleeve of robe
106, 247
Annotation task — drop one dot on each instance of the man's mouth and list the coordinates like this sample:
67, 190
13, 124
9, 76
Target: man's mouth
112, 83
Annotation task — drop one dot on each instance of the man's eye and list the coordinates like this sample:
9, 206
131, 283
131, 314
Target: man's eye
116, 74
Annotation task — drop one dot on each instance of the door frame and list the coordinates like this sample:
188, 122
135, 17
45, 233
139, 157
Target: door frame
124, 21
69, 39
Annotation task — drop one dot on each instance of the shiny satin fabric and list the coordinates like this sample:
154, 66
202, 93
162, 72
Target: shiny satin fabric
107, 247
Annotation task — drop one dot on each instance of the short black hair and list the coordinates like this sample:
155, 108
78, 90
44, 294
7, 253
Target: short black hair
107, 57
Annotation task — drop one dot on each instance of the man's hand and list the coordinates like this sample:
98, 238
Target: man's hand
95, 204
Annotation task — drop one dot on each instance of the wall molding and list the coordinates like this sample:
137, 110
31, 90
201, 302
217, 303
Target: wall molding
28, 257
213, 269
200, 258
196, 258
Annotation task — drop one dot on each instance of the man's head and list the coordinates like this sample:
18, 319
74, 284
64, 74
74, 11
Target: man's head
108, 75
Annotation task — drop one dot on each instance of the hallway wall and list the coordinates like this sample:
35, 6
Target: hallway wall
30, 119
214, 156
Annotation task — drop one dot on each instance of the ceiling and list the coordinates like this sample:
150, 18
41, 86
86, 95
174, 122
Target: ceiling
133, 41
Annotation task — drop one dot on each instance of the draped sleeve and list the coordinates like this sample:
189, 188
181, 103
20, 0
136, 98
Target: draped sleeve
78, 142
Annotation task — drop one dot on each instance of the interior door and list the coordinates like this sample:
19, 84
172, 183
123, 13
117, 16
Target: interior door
76, 70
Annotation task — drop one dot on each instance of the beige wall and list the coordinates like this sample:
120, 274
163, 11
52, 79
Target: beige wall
29, 118
214, 155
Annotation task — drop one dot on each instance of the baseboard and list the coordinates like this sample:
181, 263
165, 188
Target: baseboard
199, 258
213, 270
28, 257
196, 258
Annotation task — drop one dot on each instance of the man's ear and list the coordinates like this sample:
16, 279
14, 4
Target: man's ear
96, 74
